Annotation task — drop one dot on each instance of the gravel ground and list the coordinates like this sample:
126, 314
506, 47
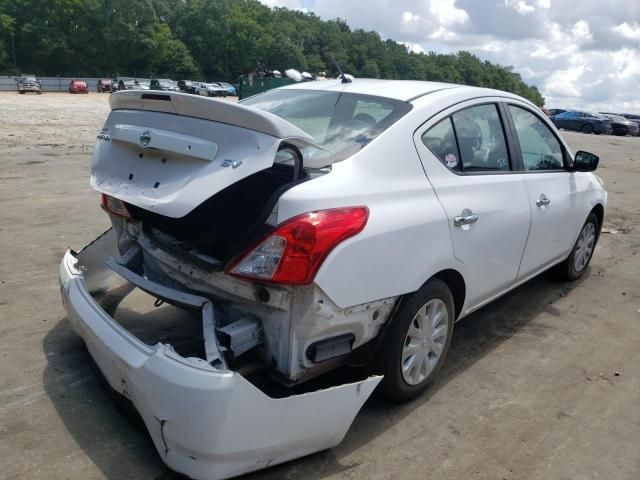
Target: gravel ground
542, 384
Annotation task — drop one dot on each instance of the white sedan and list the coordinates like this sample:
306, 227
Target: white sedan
310, 227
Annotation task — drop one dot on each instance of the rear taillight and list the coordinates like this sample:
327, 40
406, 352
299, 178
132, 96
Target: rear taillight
115, 206
293, 253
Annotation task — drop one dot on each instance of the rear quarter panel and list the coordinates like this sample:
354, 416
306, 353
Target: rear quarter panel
406, 239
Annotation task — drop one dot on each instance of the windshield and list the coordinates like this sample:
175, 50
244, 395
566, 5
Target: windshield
340, 123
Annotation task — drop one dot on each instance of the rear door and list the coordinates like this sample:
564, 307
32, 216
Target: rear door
467, 160
555, 195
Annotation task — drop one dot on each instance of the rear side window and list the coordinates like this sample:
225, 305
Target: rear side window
471, 140
441, 140
541, 150
481, 139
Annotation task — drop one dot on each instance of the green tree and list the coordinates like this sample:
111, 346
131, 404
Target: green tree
217, 40
6, 31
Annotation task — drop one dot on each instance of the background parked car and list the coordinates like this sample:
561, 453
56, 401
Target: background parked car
555, 111
622, 126
125, 85
187, 86
212, 90
163, 84
631, 116
104, 85
78, 86
29, 83
231, 90
585, 122
133, 85
143, 85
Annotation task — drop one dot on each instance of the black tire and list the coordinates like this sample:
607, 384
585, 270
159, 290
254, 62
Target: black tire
567, 270
587, 128
388, 359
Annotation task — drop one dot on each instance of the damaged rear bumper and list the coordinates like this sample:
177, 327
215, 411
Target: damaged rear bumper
205, 423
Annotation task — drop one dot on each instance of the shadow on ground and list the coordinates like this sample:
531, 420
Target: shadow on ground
120, 447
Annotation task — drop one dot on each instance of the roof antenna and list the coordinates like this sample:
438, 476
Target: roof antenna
344, 78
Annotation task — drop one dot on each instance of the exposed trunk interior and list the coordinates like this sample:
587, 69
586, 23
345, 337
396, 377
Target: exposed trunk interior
225, 223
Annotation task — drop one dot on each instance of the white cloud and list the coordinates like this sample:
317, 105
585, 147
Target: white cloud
630, 31
581, 32
408, 17
443, 34
414, 47
520, 6
447, 13
580, 54
290, 4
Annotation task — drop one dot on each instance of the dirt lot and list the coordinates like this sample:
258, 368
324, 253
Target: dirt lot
542, 384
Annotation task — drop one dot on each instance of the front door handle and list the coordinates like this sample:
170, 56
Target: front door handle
542, 200
465, 218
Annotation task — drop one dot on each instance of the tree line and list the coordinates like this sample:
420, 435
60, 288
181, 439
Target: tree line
215, 40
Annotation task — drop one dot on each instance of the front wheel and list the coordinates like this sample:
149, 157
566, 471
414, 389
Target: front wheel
416, 341
587, 128
576, 263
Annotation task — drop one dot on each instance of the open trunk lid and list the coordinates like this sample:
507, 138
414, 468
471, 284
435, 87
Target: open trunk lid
169, 152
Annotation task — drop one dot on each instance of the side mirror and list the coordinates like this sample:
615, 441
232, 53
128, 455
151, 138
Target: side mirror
585, 162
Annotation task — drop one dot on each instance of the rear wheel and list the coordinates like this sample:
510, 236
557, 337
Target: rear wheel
587, 128
576, 263
416, 341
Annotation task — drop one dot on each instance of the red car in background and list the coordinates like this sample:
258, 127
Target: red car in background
78, 86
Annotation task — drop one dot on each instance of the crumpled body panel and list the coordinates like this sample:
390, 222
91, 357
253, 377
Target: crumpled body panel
205, 423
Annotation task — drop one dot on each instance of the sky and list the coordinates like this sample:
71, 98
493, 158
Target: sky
582, 54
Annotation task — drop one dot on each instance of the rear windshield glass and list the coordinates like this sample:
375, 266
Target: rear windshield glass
340, 123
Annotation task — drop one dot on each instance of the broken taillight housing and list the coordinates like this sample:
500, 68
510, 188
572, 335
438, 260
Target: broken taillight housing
115, 206
294, 251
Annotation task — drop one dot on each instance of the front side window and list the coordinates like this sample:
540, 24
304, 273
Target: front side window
481, 140
541, 150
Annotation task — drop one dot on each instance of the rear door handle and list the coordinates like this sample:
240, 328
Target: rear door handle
543, 200
465, 218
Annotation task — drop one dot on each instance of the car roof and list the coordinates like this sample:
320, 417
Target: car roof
405, 90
